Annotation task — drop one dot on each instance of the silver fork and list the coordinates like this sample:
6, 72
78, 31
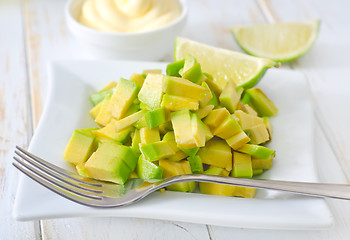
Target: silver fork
101, 194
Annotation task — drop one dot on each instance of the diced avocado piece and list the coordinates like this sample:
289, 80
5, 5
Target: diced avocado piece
148, 170
196, 164
129, 120
155, 118
258, 134
207, 132
190, 152
171, 168
216, 117
105, 114
81, 170
109, 131
227, 128
157, 150
98, 97
183, 88
110, 85
151, 92
138, 79
198, 131
246, 120
170, 138
141, 123
111, 162
216, 153
261, 103
149, 135
245, 192
257, 151
259, 163
216, 188
173, 68
238, 140
204, 111
132, 109
176, 103
257, 171
208, 95
152, 71
192, 71
123, 96
80, 146
178, 156
250, 110
229, 97
212, 84
242, 165
166, 127
268, 126
95, 110
136, 140
181, 121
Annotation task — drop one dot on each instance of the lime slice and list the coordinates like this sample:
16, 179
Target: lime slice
224, 64
278, 41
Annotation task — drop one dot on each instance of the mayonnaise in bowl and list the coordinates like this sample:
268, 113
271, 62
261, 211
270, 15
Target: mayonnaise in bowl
129, 16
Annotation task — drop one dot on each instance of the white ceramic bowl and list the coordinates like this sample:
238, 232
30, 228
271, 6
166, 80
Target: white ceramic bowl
151, 45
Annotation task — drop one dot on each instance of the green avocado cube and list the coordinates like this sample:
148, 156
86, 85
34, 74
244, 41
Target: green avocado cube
80, 146
229, 97
261, 103
136, 140
190, 152
227, 128
192, 70
151, 92
173, 68
157, 150
148, 170
257, 151
242, 165
155, 118
196, 164
98, 97
111, 162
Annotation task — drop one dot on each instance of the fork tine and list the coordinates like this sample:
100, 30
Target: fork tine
50, 181
59, 170
53, 174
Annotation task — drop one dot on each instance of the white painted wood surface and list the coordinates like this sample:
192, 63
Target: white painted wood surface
31, 37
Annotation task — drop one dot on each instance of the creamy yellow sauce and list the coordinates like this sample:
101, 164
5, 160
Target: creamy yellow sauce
129, 15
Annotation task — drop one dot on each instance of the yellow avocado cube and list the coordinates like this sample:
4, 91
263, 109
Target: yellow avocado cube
152, 90
129, 120
176, 103
216, 153
105, 114
216, 117
229, 97
237, 140
258, 134
96, 110
183, 88
125, 93
242, 165
80, 146
171, 168
227, 128
245, 192
149, 135
247, 120
181, 121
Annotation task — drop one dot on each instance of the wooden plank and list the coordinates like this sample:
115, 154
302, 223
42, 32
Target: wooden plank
14, 116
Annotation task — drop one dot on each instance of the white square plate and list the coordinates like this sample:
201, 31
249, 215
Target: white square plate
67, 109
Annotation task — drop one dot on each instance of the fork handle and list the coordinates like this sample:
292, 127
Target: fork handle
340, 191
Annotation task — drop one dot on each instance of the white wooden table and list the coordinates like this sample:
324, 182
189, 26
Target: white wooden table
33, 32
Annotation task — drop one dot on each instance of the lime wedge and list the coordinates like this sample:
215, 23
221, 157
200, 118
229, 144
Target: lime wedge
281, 42
224, 64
